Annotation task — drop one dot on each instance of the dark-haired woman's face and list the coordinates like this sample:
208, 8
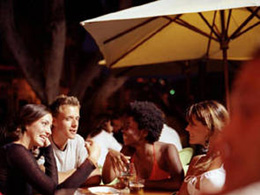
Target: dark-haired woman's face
108, 127
117, 125
39, 131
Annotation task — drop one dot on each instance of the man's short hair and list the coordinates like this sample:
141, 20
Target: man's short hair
63, 100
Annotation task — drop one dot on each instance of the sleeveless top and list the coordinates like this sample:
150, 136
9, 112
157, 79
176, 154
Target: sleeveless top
157, 173
210, 182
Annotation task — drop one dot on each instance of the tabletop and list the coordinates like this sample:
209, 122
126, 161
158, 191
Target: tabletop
84, 191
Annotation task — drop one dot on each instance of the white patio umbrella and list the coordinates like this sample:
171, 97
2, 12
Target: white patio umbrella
173, 30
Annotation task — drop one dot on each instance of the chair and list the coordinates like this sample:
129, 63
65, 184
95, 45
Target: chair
185, 157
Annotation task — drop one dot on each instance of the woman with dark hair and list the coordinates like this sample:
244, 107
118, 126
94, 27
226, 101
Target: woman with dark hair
205, 174
156, 162
19, 171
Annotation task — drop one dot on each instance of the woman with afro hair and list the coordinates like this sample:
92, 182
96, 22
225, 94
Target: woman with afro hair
156, 162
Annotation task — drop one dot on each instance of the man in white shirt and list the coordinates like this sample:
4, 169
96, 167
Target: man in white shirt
104, 137
69, 147
170, 136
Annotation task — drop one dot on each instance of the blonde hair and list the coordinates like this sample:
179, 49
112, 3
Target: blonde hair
210, 113
214, 116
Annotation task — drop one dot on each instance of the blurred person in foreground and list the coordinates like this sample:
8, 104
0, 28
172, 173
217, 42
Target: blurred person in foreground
19, 171
241, 139
206, 173
69, 147
156, 162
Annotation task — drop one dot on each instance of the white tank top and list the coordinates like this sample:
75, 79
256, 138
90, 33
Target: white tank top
210, 182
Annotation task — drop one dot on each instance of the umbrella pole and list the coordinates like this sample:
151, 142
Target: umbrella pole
226, 78
224, 46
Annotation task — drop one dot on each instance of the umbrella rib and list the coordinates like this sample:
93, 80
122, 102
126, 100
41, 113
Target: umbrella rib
250, 10
193, 28
224, 37
244, 31
228, 20
253, 14
129, 30
142, 42
211, 27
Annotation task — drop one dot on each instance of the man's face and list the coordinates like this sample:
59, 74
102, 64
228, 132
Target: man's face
67, 121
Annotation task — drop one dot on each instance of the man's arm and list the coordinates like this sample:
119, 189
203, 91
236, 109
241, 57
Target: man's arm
93, 179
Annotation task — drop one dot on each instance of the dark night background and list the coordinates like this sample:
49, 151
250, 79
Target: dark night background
98, 88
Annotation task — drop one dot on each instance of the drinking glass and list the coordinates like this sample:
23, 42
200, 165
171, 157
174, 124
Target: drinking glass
136, 186
126, 175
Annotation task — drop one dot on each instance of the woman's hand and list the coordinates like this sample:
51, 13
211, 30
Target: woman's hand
47, 142
118, 160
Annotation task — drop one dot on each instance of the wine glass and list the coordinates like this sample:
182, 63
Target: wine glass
129, 173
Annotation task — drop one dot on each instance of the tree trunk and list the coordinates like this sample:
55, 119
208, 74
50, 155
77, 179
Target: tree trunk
56, 31
86, 78
42, 74
30, 66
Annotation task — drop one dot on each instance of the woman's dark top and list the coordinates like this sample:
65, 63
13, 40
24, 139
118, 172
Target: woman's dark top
20, 173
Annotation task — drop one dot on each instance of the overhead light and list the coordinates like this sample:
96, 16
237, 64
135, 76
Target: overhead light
102, 62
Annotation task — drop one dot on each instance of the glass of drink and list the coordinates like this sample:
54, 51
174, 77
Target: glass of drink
136, 186
125, 176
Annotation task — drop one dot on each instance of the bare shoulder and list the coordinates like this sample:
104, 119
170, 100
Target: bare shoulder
168, 158
165, 148
196, 159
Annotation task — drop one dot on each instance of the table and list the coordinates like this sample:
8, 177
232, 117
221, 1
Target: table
146, 192
157, 192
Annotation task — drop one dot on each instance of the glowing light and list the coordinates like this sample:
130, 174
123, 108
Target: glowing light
172, 91
140, 80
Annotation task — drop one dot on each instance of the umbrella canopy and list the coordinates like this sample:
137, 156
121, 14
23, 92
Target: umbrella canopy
172, 30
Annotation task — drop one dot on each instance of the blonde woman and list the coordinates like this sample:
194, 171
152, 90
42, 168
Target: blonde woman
205, 173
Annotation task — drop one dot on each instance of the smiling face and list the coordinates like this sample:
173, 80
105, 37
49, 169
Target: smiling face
67, 121
131, 133
39, 131
199, 133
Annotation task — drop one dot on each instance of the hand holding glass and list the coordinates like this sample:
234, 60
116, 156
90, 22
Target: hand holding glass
129, 173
